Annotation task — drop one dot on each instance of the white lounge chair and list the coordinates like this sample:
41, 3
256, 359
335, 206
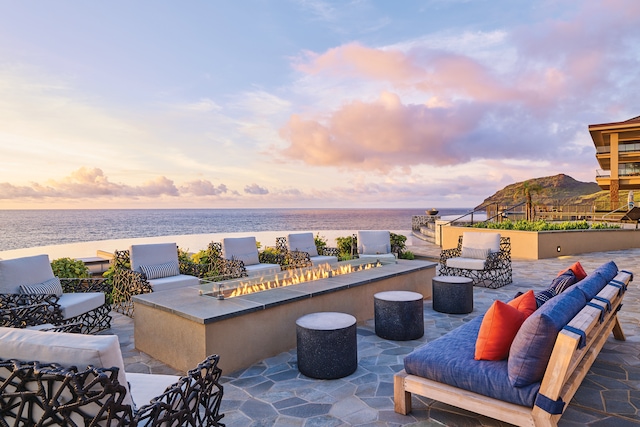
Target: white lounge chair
29, 281
304, 242
375, 244
245, 249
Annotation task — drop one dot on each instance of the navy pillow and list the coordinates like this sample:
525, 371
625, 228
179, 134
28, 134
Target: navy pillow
544, 296
532, 346
563, 281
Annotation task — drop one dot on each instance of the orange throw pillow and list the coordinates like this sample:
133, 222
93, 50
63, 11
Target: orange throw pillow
577, 270
525, 303
498, 329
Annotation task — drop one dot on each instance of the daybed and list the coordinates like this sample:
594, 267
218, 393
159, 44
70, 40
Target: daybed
148, 268
31, 295
483, 257
300, 250
547, 360
80, 380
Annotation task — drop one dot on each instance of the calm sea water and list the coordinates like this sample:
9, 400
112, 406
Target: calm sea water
30, 228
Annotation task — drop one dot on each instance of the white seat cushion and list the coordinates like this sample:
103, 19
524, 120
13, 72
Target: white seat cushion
263, 269
75, 304
152, 254
303, 242
244, 249
24, 271
466, 263
386, 257
374, 242
173, 282
324, 259
145, 387
480, 240
79, 350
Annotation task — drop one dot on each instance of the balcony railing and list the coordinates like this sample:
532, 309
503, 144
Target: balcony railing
601, 173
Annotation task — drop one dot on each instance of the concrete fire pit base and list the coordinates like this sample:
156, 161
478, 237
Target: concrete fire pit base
181, 328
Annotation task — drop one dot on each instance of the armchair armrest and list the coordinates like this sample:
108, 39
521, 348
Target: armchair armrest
445, 254
75, 285
296, 259
14, 309
194, 400
330, 252
193, 269
25, 315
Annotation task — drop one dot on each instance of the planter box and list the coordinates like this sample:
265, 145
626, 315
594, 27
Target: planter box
545, 244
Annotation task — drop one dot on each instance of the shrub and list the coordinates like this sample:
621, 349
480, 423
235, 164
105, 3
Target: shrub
69, 268
398, 243
542, 225
408, 255
344, 247
321, 242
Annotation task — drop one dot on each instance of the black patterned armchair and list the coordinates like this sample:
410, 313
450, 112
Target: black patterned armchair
31, 296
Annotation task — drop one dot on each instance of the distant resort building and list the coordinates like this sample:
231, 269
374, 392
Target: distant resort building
618, 153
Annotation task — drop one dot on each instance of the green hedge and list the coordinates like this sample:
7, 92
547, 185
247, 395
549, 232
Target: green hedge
542, 225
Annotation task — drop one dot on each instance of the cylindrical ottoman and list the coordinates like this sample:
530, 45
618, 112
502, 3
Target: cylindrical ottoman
327, 345
452, 294
399, 315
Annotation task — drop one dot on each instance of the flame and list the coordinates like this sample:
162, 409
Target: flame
295, 277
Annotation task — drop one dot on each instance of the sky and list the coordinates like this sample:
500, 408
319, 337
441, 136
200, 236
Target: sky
305, 103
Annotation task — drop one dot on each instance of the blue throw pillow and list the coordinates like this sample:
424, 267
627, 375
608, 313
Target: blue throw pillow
532, 346
563, 281
544, 296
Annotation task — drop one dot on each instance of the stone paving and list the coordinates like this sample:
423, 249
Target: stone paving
273, 392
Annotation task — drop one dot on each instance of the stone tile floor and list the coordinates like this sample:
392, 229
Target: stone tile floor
273, 392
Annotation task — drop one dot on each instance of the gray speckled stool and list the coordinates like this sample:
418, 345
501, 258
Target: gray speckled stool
399, 315
327, 345
452, 294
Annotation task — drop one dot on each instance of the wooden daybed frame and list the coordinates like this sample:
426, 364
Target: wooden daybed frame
567, 367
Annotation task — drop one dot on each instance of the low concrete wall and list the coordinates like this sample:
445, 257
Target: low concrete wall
545, 244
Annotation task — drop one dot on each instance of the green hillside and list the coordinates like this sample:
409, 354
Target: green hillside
559, 189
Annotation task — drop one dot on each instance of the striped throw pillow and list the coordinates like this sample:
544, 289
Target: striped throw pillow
51, 286
158, 271
475, 253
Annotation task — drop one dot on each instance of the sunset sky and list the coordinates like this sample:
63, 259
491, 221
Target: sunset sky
304, 103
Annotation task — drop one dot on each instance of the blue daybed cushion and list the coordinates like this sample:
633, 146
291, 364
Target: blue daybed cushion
533, 344
450, 360
593, 283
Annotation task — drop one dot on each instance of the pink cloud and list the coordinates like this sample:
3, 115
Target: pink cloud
563, 75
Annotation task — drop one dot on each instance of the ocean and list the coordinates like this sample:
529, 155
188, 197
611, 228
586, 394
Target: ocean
34, 228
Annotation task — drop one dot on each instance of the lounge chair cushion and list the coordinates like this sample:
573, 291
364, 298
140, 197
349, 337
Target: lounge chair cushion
532, 346
263, 269
173, 282
450, 360
384, 257
152, 254
481, 241
158, 271
65, 349
145, 387
303, 242
48, 287
324, 259
243, 249
466, 263
29, 270
75, 304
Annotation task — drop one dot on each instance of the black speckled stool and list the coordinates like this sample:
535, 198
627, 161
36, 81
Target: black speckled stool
327, 345
399, 315
452, 294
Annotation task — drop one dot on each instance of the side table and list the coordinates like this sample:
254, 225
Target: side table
399, 315
452, 294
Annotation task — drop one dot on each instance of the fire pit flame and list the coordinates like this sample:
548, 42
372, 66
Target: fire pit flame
295, 277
